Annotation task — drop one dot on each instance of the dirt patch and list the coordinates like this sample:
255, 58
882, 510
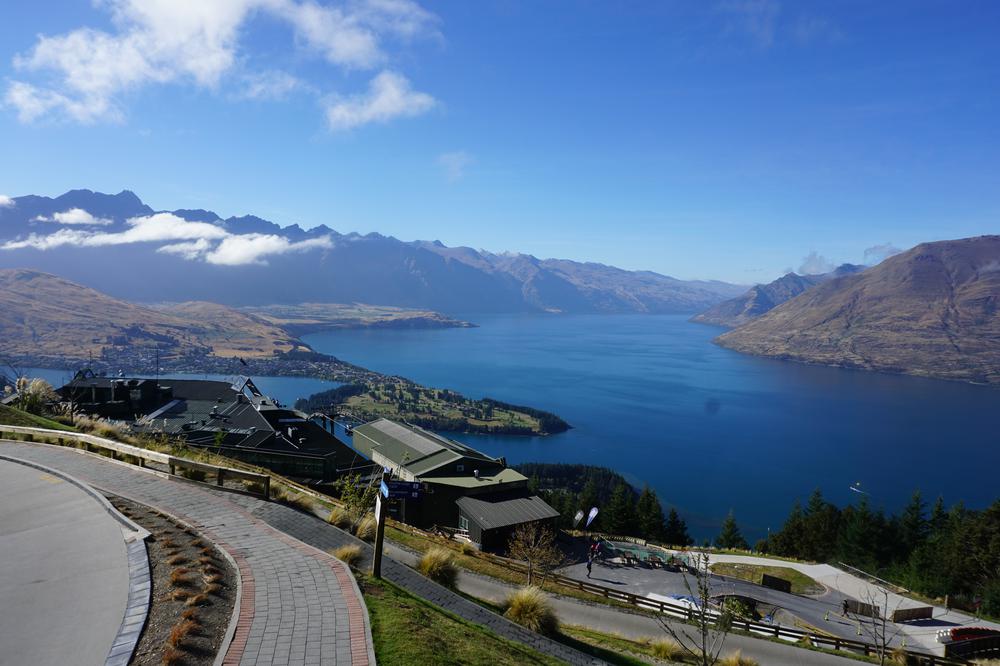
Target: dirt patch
193, 592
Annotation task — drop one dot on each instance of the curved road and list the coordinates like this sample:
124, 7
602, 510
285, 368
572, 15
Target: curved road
298, 605
64, 573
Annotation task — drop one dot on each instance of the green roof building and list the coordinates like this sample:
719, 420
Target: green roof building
449, 472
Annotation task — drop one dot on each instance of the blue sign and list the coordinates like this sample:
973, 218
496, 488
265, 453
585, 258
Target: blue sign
384, 489
406, 486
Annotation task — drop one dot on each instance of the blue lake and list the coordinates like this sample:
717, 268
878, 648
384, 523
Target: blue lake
711, 430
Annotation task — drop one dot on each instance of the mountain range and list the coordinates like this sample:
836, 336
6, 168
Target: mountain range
762, 298
933, 310
121, 246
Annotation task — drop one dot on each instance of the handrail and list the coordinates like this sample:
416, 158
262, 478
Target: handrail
145, 455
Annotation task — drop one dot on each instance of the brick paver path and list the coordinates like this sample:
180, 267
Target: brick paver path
299, 606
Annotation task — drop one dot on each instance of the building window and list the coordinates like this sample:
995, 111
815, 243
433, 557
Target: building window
459, 468
463, 523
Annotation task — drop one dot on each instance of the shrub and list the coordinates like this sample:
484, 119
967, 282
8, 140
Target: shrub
349, 555
530, 608
438, 564
469, 549
366, 528
664, 648
737, 659
339, 517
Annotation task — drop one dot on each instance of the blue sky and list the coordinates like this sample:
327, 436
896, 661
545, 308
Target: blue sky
724, 140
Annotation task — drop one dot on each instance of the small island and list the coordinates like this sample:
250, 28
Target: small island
436, 409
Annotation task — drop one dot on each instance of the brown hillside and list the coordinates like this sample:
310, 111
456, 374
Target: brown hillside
931, 311
45, 315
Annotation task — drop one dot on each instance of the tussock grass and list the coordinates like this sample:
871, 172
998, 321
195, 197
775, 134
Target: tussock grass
339, 517
179, 577
737, 659
200, 599
190, 614
438, 564
213, 588
181, 630
171, 657
213, 578
205, 560
664, 648
530, 608
469, 549
349, 555
177, 559
180, 595
366, 528
294, 500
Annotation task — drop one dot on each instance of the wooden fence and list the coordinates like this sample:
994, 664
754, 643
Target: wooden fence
260, 484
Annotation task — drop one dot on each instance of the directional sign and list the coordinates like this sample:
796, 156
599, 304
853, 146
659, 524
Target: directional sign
384, 489
406, 486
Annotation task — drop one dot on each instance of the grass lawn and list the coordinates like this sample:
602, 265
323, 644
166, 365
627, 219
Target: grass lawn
407, 630
15, 417
801, 583
485, 567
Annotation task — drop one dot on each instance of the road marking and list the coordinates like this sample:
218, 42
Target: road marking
49, 478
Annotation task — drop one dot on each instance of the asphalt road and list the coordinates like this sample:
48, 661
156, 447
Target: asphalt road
64, 575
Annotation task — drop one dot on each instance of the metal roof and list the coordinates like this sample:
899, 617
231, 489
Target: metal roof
503, 513
504, 476
418, 450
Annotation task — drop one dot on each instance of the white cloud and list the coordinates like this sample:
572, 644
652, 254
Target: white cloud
5, 201
876, 254
271, 85
76, 216
455, 164
389, 96
83, 74
815, 264
190, 240
189, 250
253, 248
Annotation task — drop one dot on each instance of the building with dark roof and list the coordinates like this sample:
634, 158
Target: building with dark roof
234, 418
462, 488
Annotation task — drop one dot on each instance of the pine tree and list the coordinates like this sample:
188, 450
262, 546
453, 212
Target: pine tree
939, 518
791, 540
730, 537
649, 515
619, 515
676, 531
913, 525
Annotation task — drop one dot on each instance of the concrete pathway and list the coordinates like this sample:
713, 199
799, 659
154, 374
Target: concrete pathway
64, 572
298, 605
921, 634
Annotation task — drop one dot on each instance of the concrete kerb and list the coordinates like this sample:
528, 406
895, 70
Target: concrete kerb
139, 591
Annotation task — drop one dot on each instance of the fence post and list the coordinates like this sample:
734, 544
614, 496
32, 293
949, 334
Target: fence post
173, 469
219, 476
267, 487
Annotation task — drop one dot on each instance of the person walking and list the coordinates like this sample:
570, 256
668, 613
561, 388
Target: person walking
590, 563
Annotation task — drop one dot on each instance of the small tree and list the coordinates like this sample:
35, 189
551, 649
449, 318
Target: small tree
876, 625
649, 513
358, 498
676, 531
535, 544
730, 537
704, 644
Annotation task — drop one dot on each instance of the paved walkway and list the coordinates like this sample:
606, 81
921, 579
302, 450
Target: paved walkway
64, 573
920, 634
298, 605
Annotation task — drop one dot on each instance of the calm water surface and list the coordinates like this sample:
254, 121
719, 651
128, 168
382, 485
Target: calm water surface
711, 430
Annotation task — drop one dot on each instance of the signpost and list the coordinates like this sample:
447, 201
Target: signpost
388, 490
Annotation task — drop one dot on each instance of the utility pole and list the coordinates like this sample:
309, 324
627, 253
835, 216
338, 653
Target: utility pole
380, 515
